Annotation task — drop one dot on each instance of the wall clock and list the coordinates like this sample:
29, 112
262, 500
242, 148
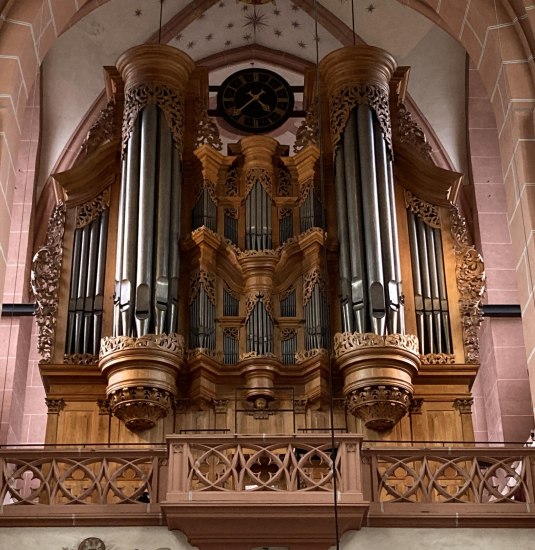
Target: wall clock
255, 100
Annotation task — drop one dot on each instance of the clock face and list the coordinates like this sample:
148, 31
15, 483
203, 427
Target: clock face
255, 100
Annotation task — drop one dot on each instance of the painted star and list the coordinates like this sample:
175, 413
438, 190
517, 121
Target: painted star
209, 37
230, 25
276, 12
247, 37
255, 20
228, 43
301, 44
296, 24
138, 13
277, 32
295, 8
178, 37
371, 8
190, 44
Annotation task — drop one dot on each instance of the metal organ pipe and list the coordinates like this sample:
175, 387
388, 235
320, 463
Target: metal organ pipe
145, 246
174, 237
129, 248
417, 280
163, 218
355, 235
372, 233
98, 304
119, 253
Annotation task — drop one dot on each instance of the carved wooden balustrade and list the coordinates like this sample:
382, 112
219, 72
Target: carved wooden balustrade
278, 485
81, 486
451, 487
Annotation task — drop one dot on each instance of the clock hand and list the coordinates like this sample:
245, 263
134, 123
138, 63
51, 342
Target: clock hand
264, 106
254, 97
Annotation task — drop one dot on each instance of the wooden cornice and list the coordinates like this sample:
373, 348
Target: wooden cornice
89, 178
425, 180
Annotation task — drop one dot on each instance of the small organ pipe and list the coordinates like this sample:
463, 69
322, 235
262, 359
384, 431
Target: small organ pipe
343, 251
174, 238
418, 295
372, 234
131, 207
385, 223
397, 262
435, 296
354, 211
80, 295
442, 290
94, 228
145, 252
163, 217
426, 285
117, 330
75, 273
99, 281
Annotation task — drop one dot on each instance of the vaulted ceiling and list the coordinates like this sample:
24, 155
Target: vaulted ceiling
228, 35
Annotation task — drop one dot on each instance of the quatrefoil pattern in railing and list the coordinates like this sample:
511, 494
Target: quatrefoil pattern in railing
62, 480
459, 479
251, 467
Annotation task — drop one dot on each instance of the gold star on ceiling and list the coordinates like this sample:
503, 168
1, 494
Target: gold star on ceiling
256, 21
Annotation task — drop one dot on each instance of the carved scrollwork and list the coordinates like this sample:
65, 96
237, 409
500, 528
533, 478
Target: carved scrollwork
411, 134
168, 100
310, 280
288, 334
284, 187
471, 284
204, 278
197, 352
380, 407
302, 356
251, 354
258, 175
168, 342
80, 359
257, 253
89, 211
210, 186
232, 213
304, 190
427, 212
232, 187
140, 407
307, 133
104, 129
344, 100
284, 213
206, 131
46, 271
254, 297
231, 332
220, 405
437, 359
350, 341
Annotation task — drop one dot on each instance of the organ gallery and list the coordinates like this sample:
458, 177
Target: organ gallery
187, 287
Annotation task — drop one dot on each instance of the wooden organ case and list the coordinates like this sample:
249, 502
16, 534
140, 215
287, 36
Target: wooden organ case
182, 289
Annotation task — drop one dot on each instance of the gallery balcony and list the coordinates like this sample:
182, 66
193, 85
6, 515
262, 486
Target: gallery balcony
275, 490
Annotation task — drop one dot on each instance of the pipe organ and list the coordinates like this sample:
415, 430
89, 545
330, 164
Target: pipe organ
183, 288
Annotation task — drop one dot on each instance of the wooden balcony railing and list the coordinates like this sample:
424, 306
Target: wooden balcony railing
63, 487
279, 484
450, 487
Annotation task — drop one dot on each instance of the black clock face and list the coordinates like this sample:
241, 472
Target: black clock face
255, 100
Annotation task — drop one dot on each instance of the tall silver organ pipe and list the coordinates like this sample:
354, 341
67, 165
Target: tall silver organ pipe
431, 302
260, 330
369, 264
86, 297
148, 268
258, 219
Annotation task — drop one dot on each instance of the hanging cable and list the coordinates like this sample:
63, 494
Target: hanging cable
327, 286
353, 21
160, 25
